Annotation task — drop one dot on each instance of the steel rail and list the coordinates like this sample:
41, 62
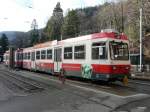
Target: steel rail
138, 82
27, 86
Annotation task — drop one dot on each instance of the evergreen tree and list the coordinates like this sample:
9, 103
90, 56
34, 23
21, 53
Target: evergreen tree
3, 44
54, 25
71, 25
34, 33
34, 37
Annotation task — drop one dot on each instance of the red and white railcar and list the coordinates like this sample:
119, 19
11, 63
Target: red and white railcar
27, 57
18, 58
6, 58
43, 59
99, 56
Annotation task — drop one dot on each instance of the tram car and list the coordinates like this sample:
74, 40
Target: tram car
98, 56
27, 58
18, 58
6, 58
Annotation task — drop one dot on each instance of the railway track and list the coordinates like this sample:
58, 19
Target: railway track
138, 86
20, 82
140, 82
115, 88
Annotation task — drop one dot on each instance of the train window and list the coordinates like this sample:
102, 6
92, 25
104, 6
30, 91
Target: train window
68, 53
49, 54
6, 57
26, 56
43, 54
29, 55
17, 56
37, 55
79, 52
21, 56
119, 51
33, 56
99, 50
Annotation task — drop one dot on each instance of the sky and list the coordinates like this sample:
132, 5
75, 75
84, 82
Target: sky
17, 15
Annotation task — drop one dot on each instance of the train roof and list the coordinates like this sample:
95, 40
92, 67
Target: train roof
45, 44
106, 35
103, 34
6, 52
27, 49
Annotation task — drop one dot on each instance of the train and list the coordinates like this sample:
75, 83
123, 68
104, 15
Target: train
98, 56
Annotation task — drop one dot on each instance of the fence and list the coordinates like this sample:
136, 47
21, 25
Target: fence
136, 68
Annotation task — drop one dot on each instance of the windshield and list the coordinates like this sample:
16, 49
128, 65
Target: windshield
119, 51
99, 50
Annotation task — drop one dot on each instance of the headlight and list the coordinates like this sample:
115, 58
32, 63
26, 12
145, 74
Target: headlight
97, 75
127, 67
107, 76
114, 67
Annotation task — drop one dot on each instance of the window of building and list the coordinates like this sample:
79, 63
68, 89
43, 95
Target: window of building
37, 55
49, 54
79, 52
99, 50
43, 54
68, 53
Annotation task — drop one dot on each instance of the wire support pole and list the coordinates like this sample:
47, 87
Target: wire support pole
141, 40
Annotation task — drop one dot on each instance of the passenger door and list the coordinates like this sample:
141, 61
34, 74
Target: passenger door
57, 59
33, 60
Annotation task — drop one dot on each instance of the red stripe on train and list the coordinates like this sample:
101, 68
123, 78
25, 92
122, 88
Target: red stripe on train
45, 65
97, 68
73, 67
27, 64
109, 35
111, 69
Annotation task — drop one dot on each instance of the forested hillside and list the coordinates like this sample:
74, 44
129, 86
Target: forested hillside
122, 15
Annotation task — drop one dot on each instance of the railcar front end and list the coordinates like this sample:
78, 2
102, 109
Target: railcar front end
116, 65
19, 58
6, 58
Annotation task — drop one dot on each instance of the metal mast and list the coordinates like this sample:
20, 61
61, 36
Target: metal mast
141, 40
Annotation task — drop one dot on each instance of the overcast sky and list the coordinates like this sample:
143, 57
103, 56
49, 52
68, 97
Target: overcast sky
17, 15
